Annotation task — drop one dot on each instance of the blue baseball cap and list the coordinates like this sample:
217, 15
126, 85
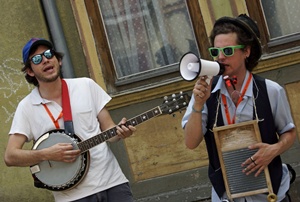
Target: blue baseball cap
33, 42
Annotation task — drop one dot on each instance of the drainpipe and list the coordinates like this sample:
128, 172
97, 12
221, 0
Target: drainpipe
58, 37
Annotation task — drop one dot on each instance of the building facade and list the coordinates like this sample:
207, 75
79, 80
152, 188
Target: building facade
132, 49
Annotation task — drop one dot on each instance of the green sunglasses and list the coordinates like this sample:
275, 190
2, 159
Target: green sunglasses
227, 51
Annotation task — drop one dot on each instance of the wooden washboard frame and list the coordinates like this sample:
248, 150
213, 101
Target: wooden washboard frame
232, 143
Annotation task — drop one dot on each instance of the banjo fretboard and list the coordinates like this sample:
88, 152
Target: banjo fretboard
104, 136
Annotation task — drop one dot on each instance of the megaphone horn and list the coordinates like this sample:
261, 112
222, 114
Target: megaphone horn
192, 66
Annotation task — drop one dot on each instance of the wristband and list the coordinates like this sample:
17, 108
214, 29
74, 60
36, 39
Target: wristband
196, 111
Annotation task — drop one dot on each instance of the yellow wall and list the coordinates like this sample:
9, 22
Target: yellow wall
213, 10
21, 20
293, 92
156, 149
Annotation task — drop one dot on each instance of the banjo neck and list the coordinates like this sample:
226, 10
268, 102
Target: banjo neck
170, 105
87, 144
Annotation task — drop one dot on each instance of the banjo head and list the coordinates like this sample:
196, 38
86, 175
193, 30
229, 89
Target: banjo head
56, 175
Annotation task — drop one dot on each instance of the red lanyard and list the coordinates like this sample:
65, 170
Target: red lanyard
238, 102
55, 121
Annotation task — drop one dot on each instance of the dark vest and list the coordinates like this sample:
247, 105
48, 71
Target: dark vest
267, 130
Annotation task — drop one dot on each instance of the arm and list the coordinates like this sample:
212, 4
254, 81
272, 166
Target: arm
106, 123
286, 141
16, 156
193, 129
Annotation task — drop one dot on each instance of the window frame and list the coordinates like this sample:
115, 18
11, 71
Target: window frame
116, 88
270, 46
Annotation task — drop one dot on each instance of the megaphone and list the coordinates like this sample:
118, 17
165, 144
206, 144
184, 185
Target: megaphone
192, 67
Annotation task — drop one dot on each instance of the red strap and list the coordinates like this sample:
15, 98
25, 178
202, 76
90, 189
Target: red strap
226, 109
66, 102
244, 90
69, 129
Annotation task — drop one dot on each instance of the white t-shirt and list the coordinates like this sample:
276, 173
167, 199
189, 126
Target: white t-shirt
87, 99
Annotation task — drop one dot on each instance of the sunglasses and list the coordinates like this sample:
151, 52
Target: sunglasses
37, 59
227, 51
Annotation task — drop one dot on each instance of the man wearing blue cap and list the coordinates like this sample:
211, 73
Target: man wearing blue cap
97, 176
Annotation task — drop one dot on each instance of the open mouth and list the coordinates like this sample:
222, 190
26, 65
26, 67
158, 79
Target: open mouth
225, 65
47, 69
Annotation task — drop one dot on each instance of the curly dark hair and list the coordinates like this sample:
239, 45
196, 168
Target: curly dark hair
243, 38
27, 65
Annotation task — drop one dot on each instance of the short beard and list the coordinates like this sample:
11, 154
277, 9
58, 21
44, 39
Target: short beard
48, 80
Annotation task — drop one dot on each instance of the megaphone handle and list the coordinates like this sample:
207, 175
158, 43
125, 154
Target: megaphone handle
208, 79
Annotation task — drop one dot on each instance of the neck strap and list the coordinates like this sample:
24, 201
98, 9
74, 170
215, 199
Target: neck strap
225, 105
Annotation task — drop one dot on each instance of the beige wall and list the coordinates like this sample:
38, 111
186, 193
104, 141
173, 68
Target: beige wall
21, 20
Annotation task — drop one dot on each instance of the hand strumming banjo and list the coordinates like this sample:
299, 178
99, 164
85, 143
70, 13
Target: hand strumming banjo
60, 176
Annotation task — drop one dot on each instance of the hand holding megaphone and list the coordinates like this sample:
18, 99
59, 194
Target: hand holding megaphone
192, 67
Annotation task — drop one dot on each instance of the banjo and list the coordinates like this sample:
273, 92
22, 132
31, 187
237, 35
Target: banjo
61, 176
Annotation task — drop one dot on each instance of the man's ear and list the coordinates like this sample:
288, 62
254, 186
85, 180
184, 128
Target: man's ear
247, 51
29, 72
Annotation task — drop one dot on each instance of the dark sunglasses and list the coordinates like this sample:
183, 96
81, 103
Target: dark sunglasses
37, 59
227, 51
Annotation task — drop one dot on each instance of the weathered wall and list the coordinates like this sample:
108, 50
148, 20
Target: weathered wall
154, 159
21, 20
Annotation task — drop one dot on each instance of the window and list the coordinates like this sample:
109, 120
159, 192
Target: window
282, 17
278, 23
145, 39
